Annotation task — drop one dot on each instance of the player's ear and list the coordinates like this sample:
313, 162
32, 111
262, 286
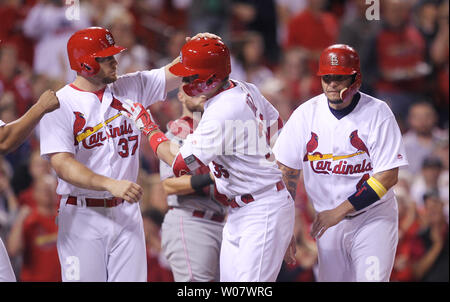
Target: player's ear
181, 96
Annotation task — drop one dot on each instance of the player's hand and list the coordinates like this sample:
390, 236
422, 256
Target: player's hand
203, 35
325, 220
125, 189
289, 256
142, 118
48, 101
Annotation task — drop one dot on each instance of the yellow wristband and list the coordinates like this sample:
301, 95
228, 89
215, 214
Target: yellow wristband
377, 186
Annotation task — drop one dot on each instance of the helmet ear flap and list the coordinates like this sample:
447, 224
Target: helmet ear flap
89, 66
349, 92
198, 86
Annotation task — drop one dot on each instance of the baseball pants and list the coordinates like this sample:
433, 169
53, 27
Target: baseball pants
256, 237
361, 248
6, 271
98, 244
192, 246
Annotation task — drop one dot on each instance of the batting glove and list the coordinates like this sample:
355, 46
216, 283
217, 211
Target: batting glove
142, 118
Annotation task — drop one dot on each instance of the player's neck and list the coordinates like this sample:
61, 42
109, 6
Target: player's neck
343, 105
339, 106
224, 86
186, 112
88, 85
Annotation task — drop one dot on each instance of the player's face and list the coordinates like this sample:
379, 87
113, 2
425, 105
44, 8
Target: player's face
108, 69
193, 104
332, 86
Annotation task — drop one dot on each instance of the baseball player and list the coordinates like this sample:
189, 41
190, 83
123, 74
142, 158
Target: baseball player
11, 136
94, 151
232, 138
349, 147
192, 228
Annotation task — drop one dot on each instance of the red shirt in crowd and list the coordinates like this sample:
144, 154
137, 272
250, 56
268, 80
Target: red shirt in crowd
22, 91
40, 261
156, 272
26, 198
409, 249
400, 50
313, 32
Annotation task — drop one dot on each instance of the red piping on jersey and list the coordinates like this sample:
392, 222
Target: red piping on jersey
98, 93
116, 104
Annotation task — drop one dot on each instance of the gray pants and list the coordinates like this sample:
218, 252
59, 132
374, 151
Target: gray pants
192, 246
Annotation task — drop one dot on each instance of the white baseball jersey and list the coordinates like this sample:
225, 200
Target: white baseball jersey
100, 243
94, 131
6, 272
232, 138
237, 158
338, 151
336, 154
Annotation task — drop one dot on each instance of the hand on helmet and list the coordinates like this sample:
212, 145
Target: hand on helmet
142, 118
203, 35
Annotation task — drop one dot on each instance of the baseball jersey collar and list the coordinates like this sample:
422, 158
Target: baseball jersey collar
98, 93
339, 114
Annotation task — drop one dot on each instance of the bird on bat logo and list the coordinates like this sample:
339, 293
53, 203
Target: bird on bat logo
357, 142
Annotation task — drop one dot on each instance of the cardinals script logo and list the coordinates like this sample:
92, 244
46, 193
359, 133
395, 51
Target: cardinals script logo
337, 164
92, 137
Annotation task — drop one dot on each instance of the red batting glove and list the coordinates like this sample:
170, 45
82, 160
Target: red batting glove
142, 118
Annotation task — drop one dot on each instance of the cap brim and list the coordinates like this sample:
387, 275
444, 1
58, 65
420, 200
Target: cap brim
110, 51
181, 71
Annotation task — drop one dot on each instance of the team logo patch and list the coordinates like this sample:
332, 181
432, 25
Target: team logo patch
78, 124
357, 142
399, 156
334, 60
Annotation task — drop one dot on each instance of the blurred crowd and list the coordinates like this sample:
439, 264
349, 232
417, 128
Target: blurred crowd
275, 44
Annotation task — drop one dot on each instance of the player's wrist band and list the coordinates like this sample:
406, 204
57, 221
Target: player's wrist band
371, 191
199, 181
157, 139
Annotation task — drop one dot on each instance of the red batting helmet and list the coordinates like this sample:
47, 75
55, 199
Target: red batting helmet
340, 59
207, 58
87, 44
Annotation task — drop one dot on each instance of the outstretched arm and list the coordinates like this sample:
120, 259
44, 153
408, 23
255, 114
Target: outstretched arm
13, 134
